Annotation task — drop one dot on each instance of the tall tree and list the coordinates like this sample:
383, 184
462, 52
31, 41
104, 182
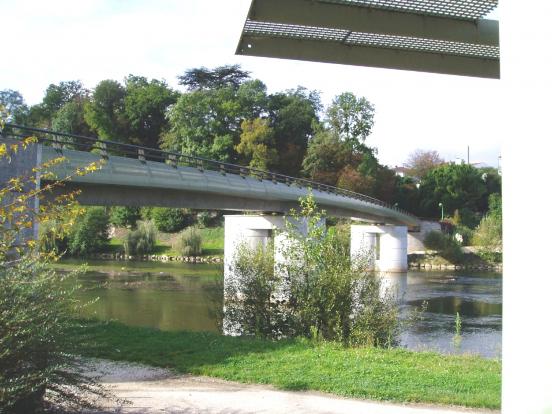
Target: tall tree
14, 105
70, 118
257, 144
421, 162
220, 77
105, 113
292, 114
58, 95
206, 122
457, 186
145, 107
352, 118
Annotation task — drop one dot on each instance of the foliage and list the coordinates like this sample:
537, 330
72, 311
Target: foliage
171, 220
206, 122
39, 339
421, 162
105, 113
208, 218
52, 238
124, 216
313, 290
70, 119
292, 114
455, 185
89, 234
142, 240
257, 144
145, 105
189, 242
351, 118
56, 96
445, 244
488, 236
220, 77
14, 105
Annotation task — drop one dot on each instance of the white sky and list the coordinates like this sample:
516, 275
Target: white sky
91, 40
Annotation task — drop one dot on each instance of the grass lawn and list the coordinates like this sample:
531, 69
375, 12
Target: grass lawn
212, 243
377, 374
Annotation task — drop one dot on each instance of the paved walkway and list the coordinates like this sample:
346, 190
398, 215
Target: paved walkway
153, 390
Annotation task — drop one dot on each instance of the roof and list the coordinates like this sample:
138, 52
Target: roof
438, 36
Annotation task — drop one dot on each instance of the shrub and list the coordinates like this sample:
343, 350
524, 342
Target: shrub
124, 216
170, 220
189, 242
40, 340
445, 244
315, 291
488, 236
52, 238
142, 240
90, 233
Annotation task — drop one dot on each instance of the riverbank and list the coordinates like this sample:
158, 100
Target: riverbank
370, 373
147, 389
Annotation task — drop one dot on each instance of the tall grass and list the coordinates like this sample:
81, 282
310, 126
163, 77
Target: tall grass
189, 242
142, 240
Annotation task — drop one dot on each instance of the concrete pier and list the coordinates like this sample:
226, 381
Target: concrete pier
385, 247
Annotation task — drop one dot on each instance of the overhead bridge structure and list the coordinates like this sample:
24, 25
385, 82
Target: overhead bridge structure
138, 176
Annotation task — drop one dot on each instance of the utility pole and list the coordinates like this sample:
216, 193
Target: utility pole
468, 155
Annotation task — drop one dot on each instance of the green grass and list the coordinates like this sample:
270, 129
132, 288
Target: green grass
377, 374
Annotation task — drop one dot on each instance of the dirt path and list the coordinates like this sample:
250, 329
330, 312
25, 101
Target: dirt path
155, 390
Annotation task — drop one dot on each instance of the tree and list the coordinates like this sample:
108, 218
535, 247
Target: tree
57, 96
105, 113
351, 118
220, 77
70, 119
421, 162
257, 144
145, 107
14, 105
457, 186
206, 122
292, 114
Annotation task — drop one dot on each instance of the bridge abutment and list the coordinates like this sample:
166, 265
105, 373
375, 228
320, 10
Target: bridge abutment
383, 247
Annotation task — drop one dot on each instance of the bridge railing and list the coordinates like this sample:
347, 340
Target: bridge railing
62, 140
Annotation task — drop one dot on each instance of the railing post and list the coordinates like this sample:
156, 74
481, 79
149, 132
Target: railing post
242, 173
58, 146
288, 181
274, 179
141, 156
103, 150
222, 169
199, 165
172, 160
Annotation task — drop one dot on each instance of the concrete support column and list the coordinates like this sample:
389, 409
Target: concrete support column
385, 247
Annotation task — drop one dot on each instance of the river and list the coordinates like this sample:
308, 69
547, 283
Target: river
179, 296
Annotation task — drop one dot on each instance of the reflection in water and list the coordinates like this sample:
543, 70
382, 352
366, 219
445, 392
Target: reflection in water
180, 296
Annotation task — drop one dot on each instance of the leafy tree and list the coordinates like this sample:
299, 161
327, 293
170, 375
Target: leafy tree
206, 122
292, 114
57, 96
142, 240
220, 77
257, 144
145, 106
457, 186
14, 105
105, 113
171, 220
70, 119
89, 234
351, 118
124, 216
421, 162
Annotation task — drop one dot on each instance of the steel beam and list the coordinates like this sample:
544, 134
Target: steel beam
372, 20
334, 52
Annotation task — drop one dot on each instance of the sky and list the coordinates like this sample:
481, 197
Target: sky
92, 40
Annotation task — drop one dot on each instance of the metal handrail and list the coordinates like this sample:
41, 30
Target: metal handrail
81, 142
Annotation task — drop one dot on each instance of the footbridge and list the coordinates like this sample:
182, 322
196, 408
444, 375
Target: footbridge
138, 176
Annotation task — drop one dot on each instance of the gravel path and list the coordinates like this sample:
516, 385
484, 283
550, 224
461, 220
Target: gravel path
155, 390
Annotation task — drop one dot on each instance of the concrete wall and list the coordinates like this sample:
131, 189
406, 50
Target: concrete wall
415, 240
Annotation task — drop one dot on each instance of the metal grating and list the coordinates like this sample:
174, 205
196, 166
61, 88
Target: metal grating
254, 28
459, 9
